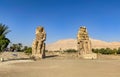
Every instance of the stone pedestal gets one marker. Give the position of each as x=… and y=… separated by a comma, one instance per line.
x=89, y=56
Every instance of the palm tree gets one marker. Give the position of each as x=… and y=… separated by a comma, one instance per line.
x=3, y=40
x=3, y=29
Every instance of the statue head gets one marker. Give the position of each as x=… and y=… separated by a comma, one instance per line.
x=83, y=29
x=39, y=29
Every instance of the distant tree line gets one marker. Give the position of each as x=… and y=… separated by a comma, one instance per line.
x=70, y=51
x=107, y=51
x=66, y=51
x=16, y=47
x=20, y=48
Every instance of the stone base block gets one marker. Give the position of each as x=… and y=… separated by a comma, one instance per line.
x=37, y=56
x=89, y=56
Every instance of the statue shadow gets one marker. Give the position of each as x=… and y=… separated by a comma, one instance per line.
x=17, y=59
x=31, y=58
x=51, y=56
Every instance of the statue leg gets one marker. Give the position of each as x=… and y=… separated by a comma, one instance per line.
x=89, y=47
x=43, y=50
x=81, y=47
x=39, y=49
x=84, y=47
x=34, y=47
x=78, y=48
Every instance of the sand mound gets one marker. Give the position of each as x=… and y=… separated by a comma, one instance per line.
x=72, y=44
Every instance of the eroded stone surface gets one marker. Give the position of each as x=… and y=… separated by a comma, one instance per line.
x=38, y=46
x=83, y=42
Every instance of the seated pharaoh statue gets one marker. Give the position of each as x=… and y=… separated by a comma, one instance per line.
x=38, y=46
x=83, y=42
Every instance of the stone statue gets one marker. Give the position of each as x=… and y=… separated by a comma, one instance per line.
x=83, y=42
x=38, y=46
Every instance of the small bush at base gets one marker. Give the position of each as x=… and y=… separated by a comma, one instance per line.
x=28, y=50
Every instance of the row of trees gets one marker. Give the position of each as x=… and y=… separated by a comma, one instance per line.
x=20, y=48
x=4, y=41
x=16, y=47
x=70, y=51
x=106, y=51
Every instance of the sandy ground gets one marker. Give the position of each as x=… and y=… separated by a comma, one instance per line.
x=59, y=67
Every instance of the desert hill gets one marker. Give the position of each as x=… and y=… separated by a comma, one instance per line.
x=71, y=44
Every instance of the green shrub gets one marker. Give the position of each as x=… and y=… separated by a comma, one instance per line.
x=70, y=51
x=57, y=51
x=46, y=50
x=95, y=50
x=28, y=50
x=118, y=51
x=106, y=51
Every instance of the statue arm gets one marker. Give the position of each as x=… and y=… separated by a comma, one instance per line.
x=44, y=36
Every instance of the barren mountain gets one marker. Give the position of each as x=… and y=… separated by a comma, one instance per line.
x=72, y=44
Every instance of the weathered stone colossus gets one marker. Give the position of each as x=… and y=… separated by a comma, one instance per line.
x=83, y=42
x=38, y=46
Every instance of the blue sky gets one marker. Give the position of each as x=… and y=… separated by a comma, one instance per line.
x=61, y=19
